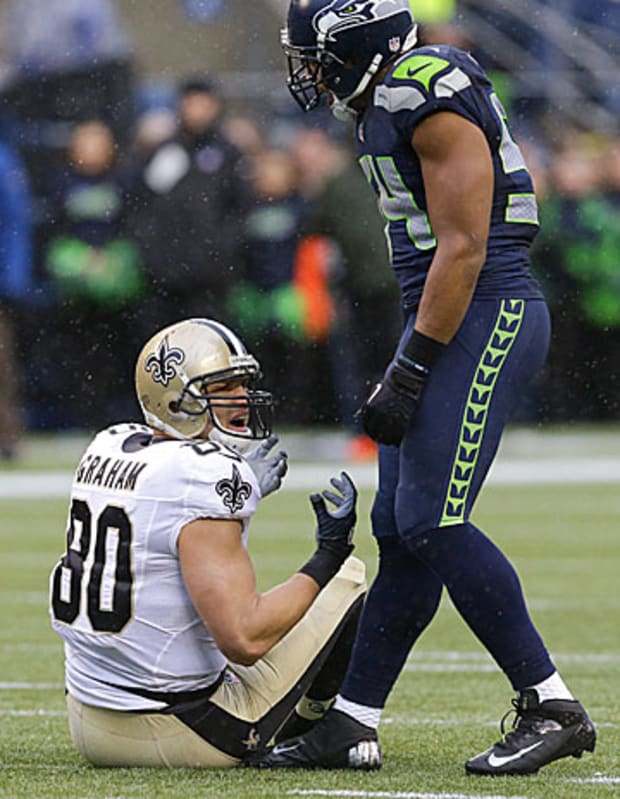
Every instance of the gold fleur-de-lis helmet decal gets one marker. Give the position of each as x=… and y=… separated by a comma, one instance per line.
x=163, y=362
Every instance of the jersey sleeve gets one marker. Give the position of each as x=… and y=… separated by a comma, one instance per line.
x=423, y=84
x=217, y=484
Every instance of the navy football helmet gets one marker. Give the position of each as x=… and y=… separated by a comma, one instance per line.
x=340, y=45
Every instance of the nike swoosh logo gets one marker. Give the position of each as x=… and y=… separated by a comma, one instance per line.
x=281, y=748
x=412, y=72
x=494, y=760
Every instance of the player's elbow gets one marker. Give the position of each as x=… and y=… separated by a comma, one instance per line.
x=466, y=245
x=465, y=251
x=471, y=263
x=242, y=651
x=242, y=657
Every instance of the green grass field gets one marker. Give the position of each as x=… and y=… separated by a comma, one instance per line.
x=446, y=706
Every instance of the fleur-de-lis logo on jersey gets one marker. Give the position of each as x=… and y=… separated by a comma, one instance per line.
x=252, y=741
x=162, y=363
x=234, y=492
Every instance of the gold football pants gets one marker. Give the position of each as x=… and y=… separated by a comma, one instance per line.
x=245, y=711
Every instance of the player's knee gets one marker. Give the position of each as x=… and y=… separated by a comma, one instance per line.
x=458, y=543
x=354, y=570
x=392, y=550
x=382, y=514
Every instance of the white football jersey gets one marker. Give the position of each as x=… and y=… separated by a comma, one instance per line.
x=117, y=596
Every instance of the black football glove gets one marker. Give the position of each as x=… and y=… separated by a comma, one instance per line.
x=334, y=532
x=336, y=525
x=386, y=414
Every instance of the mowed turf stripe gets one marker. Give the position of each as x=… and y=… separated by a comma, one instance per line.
x=17, y=713
x=537, y=603
x=420, y=660
x=13, y=713
x=397, y=794
x=540, y=604
x=30, y=686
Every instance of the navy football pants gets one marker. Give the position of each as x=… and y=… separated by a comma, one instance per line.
x=427, y=488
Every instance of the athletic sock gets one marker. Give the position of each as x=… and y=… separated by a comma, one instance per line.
x=368, y=716
x=553, y=687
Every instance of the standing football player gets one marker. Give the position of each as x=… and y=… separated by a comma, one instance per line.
x=172, y=656
x=460, y=211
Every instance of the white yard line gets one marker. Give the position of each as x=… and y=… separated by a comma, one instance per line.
x=579, y=604
x=480, y=663
x=457, y=654
x=597, y=779
x=464, y=668
x=39, y=485
x=398, y=794
x=305, y=476
x=462, y=720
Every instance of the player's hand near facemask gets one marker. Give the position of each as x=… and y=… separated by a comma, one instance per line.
x=269, y=469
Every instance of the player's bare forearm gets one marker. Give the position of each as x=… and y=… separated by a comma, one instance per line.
x=448, y=291
x=221, y=582
x=255, y=622
x=271, y=615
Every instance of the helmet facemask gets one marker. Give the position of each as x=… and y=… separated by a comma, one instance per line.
x=313, y=73
x=255, y=407
x=304, y=73
x=338, y=48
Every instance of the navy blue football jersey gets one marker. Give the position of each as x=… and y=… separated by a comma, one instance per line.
x=422, y=82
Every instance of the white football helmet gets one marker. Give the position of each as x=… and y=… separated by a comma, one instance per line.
x=175, y=368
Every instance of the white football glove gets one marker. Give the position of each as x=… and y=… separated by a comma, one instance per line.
x=269, y=470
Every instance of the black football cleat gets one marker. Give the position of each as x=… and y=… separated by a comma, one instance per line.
x=294, y=727
x=337, y=741
x=542, y=732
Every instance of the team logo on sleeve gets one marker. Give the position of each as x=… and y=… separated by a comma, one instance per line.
x=162, y=364
x=234, y=492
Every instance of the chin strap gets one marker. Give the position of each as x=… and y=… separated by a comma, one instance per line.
x=240, y=445
x=341, y=111
x=341, y=108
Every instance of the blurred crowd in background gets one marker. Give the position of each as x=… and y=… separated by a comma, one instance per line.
x=128, y=204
